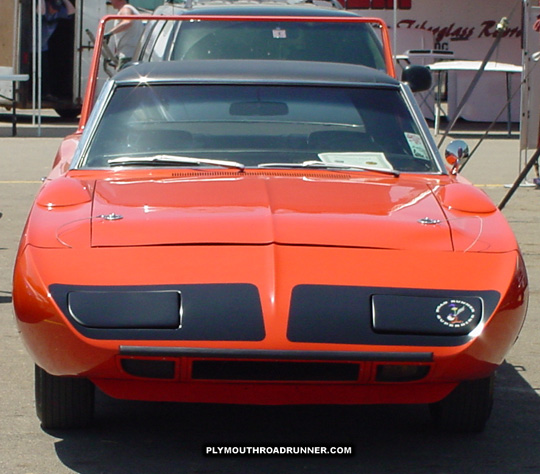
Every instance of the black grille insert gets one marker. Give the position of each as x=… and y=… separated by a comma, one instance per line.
x=154, y=369
x=275, y=371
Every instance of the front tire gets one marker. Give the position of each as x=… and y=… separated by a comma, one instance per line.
x=63, y=402
x=68, y=112
x=467, y=408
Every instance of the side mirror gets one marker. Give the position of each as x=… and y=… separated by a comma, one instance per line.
x=418, y=77
x=455, y=152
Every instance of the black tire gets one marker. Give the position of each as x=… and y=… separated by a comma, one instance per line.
x=467, y=408
x=63, y=402
x=68, y=113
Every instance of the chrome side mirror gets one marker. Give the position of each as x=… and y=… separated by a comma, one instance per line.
x=456, y=151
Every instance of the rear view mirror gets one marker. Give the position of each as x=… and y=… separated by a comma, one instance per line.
x=417, y=77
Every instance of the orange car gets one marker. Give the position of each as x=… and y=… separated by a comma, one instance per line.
x=264, y=232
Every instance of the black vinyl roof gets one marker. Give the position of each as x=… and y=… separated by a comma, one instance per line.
x=229, y=71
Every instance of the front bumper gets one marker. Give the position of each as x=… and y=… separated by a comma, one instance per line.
x=127, y=362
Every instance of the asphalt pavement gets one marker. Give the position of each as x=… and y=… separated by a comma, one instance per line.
x=136, y=437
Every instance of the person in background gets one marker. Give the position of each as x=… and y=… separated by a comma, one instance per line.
x=127, y=32
x=51, y=12
x=536, y=26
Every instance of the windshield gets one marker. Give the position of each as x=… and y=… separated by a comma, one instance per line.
x=258, y=125
x=354, y=43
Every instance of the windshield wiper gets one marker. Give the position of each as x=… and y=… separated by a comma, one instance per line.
x=322, y=164
x=166, y=160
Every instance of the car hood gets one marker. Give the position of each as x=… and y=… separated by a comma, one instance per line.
x=384, y=212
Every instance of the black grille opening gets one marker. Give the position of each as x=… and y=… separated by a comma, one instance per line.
x=275, y=371
x=153, y=369
x=401, y=372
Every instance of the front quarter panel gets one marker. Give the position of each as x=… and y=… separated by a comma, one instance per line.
x=64, y=155
x=60, y=217
x=475, y=222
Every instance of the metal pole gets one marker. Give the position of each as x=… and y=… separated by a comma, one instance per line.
x=520, y=178
x=40, y=66
x=509, y=103
x=394, y=46
x=34, y=55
